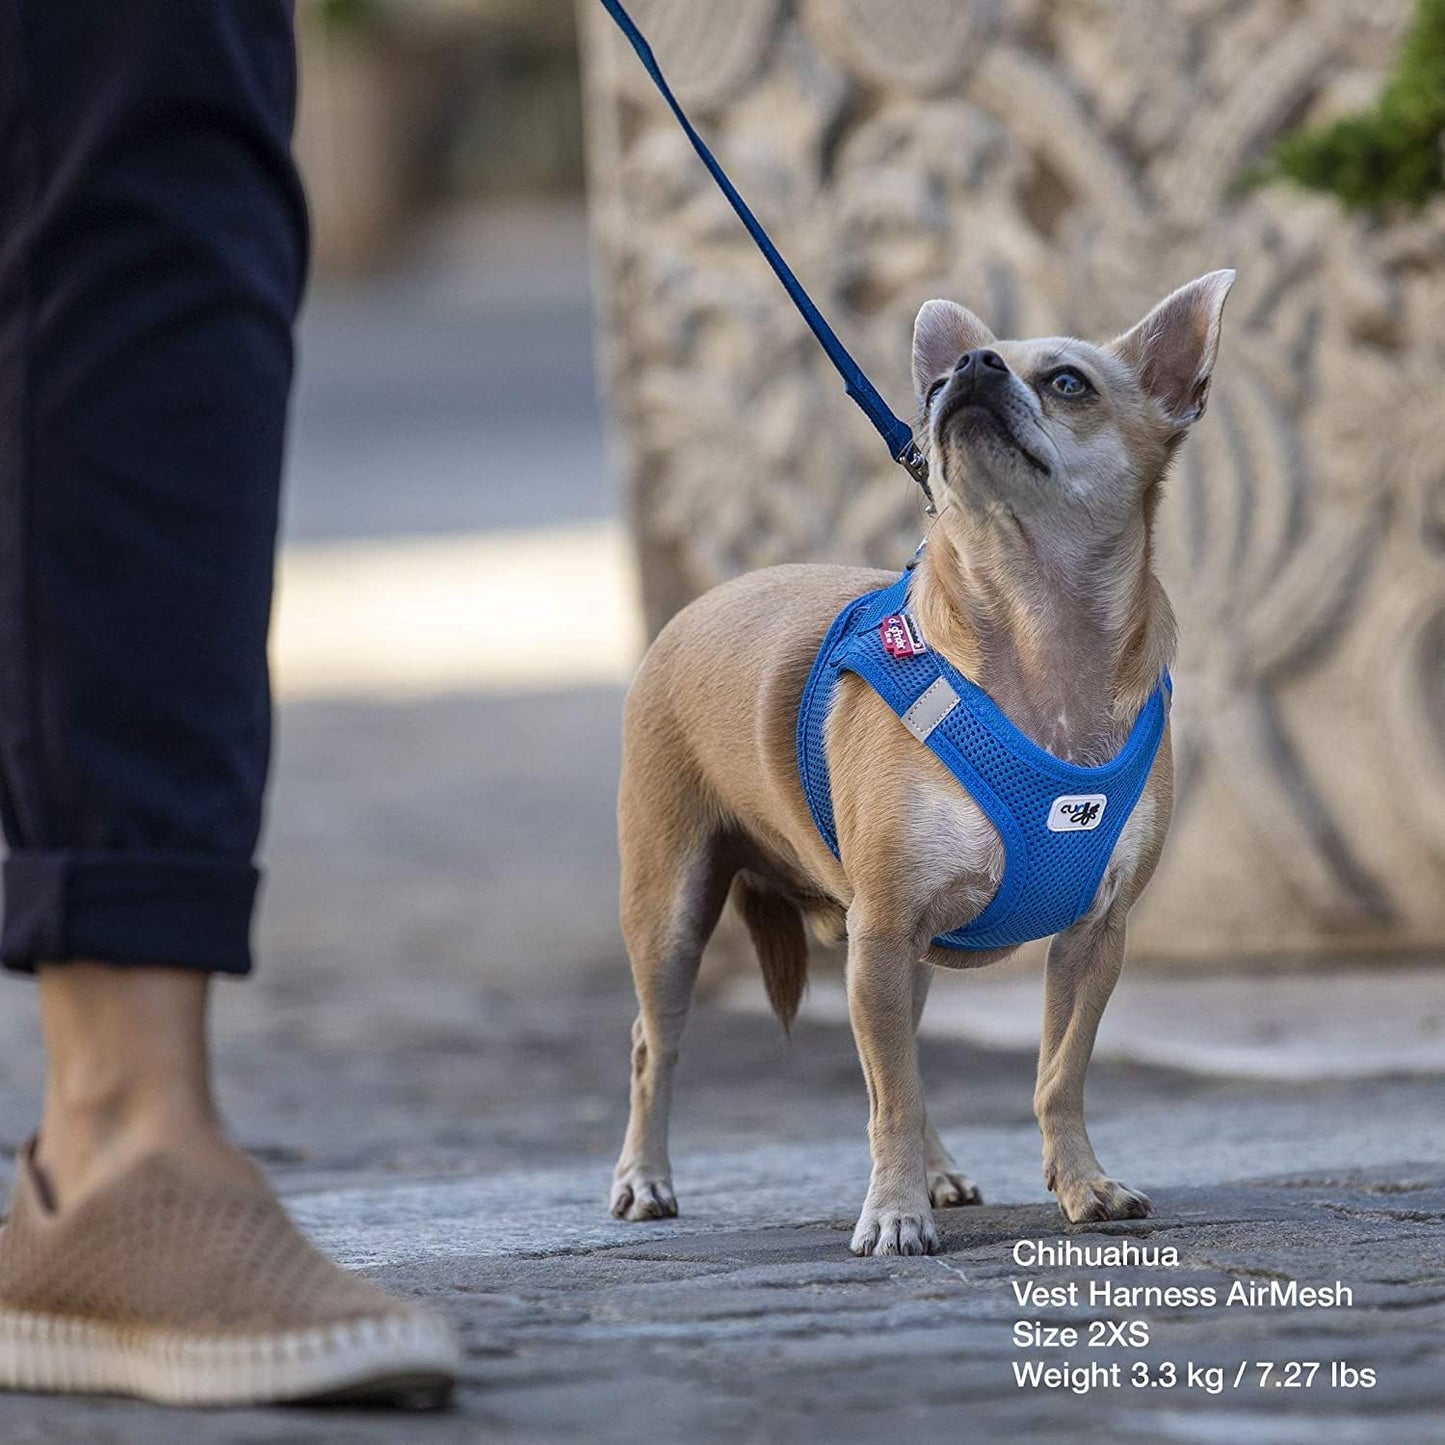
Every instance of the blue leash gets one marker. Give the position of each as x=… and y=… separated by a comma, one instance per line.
x=897, y=435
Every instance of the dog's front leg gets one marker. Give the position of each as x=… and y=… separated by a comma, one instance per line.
x=896, y=1218
x=1083, y=966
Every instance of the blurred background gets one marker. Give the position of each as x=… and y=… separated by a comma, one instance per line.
x=473, y=560
x=457, y=612
x=548, y=392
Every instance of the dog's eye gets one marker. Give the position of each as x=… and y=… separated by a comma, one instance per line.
x=931, y=394
x=1068, y=383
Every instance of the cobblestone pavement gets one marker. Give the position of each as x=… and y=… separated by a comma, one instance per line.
x=461, y=1150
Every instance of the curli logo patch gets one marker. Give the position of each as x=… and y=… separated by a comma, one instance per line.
x=901, y=637
x=1077, y=813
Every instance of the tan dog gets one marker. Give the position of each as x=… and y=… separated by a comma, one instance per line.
x=1047, y=458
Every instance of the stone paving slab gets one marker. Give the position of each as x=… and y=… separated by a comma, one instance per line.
x=783, y=1338
x=1328, y=1021
x=747, y=1319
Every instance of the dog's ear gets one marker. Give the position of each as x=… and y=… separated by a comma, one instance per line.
x=943, y=332
x=1172, y=349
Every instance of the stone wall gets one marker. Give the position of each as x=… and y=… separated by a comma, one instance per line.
x=1057, y=167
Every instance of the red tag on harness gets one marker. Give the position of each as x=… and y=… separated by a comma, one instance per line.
x=900, y=636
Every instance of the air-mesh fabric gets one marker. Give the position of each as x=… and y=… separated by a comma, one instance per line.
x=1050, y=878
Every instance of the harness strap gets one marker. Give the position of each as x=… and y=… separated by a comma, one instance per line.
x=897, y=434
x=1058, y=821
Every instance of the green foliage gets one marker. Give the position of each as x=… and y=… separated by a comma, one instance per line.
x=347, y=14
x=1392, y=155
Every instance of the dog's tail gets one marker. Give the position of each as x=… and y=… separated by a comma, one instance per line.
x=775, y=925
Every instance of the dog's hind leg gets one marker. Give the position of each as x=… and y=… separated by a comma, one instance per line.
x=675, y=880
x=1084, y=963
x=948, y=1185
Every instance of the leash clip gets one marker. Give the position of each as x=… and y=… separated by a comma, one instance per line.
x=916, y=465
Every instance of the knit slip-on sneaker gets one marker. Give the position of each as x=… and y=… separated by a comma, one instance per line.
x=171, y=1288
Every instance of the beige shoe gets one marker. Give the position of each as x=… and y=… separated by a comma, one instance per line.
x=168, y=1287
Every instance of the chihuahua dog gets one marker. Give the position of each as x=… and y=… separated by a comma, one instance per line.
x=1048, y=458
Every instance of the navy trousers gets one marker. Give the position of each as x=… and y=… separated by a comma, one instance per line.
x=152, y=255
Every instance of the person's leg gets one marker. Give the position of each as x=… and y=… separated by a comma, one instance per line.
x=154, y=259
x=127, y=1075
x=152, y=253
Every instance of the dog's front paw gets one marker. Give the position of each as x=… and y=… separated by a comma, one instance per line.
x=1085, y=1200
x=948, y=1189
x=641, y=1195
x=893, y=1231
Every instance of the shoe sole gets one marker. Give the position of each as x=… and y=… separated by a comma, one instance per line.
x=412, y=1361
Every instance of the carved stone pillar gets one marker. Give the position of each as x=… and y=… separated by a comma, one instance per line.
x=1058, y=168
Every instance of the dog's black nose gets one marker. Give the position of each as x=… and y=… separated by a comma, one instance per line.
x=979, y=362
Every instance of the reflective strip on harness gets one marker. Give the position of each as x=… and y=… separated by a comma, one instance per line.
x=938, y=700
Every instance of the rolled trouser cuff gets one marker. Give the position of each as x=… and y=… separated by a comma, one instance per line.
x=129, y=909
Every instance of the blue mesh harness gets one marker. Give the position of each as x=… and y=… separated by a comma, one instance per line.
x=1059, y=822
